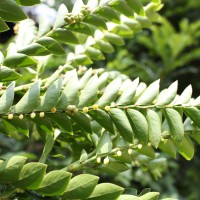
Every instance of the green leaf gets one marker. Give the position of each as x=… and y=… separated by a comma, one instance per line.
x=109, y=14
x=154, y=125
x=77, y=6
x=150, y=196
x=16, y=126
x=168, y=95
x=19, y=60
x=84, y=156
x=103, y=118
x=6, y=100
x=114, y=39
x=175, y=124
x=69, y=94
x=64, y=36
x=128, y=93
x=121, y=30
x=49, y=143
x=149, y=94
x=110, y=93
x=128, y=197
x=81, y=59
x=10, y=169
x=85, y=78
x=185, y=148
x=62, y=121
x=31, y=176
x=80, y=187
x=62, y=11
x=1, y=57
x=140, y=89
x=104, y=144
x=137, y=6
x=54, y=183
x=7, y=74
x=139, y=125
x=29, y=101
x=122, y=7
x=89, y=93
x=122, y=123
x=148, y=151
x=11, y=12
x=94, y=53
x=28, y=3
x=35, y=50
x=185, y=96
x=96, y=21
x=3, y=26
x=50, y=98
x=194, y=114
x=82, y=120
x=52, y=45
x=168, y=147
x=80, y=27
x=105, y=191
x=44, y=26
x=104, y=46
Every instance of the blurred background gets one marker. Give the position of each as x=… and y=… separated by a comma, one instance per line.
x=169, y=51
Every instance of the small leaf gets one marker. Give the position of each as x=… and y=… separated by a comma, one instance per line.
x=104, y=46
x=6, y=100
x=150, y=196
x=103, y=119
x=122, y=7
x=139, y=125
x=50, y=98
x=147, y=151
x=3, y=26
x=194, y=114
x=16, y=126
x=185, y=96
x=128, y=93
x=82, y=120
x=28, y=3
x=44, y=25
x=175, y=124
x=137, y=6
x=77, y=6
x=29, y=101
x=7, y=74
x=10, y=169
x=94, y=53
x=149, y=94
x=185, y=148
x=62, y=121
x=96, y=21
x=110, y=93
x=52, y=45
x=168, y=95
x=84, y=156
x=114, y=39
x=168, y=147
x=69, y=94
x=11, y=12
x=80, y=27
x=54, y=183
x=104, y=144
x=31, y=176
x=122, y=123
x=154, y=125
x=128, y=197
x=89, y=93
x=35, y=50
x=105, y=191
x=62, y=11
x=80, y=187
x=85, y=78
x=64, y=36
x=19, y=60
x=109, y=14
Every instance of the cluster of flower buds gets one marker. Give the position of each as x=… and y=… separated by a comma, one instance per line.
x=71, y=109
x=85, y=10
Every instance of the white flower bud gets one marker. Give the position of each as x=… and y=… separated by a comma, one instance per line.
x=106, y=160
x=33, y=115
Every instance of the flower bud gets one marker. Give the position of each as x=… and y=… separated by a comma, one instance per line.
x=41, y=114
x=130, y=151
x=106, y=160
x=33, y=115
x=85, y=109
x=139, y=146
x=95, y=107
x=21, y=116
x=107, y=108
x=98, y=159
x=53, y=110
x=10, y=116
x=119, y=153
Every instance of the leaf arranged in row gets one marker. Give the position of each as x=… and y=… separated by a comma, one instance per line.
x=33, y=176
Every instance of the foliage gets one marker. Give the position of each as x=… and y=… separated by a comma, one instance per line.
x=87, y=120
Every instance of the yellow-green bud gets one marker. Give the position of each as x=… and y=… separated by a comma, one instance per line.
x=41, y=114
x=107, y=108
x=21, y=116
x=33, y=115
x=139, y=146
x=85, y=109
x=106, y=160
x=130, y=151
x=98, y=159
x=53, y=110
x=95, y=107
x=10, y=116
x=119, y=153
x=149, y=144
